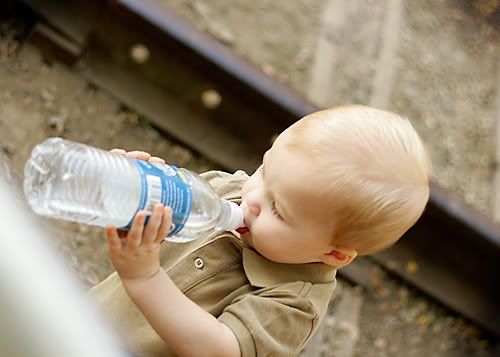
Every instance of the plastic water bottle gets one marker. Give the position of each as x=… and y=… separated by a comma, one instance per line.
x=79, y=183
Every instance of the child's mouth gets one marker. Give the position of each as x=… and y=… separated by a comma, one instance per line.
x=242, y=230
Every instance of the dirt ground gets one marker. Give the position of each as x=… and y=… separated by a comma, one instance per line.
x=445, y=79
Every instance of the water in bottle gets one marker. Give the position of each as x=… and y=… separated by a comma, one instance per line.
x=76, y=182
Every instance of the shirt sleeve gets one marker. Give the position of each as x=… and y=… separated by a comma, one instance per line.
x=274, y=322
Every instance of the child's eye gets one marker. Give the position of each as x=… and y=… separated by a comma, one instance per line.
x=275, y=211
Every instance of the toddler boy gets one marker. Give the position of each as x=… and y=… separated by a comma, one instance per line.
x=338, y=183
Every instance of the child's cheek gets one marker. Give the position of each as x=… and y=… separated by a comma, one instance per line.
x=266, y=245
x=263, y=233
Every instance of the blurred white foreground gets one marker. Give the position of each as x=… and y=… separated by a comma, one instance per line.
x=43, y=308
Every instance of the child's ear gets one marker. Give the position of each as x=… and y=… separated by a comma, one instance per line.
x=339, y=257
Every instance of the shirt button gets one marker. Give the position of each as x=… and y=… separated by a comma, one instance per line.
x=198, y=262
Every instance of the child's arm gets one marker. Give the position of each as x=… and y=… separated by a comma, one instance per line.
x=184, y=326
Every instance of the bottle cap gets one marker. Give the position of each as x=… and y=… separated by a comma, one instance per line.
x=236, y=218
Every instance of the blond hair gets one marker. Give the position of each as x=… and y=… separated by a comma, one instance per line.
x=377, y=169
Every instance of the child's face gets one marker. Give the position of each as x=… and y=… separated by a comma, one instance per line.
x=286, y=221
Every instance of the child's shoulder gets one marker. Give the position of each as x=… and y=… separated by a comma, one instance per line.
x=226, y=185
x=217, y=175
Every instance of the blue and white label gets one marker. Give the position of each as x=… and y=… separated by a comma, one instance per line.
x=164, y=184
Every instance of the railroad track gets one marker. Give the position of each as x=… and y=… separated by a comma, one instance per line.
x=227, y=110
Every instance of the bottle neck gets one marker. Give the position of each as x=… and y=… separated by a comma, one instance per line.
x=230, y=216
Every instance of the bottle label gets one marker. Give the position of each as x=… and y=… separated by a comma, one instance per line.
x=164, y=184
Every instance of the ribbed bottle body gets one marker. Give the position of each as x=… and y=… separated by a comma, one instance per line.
x=83, y=184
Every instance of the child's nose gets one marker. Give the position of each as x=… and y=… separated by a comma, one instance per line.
x=254, y=209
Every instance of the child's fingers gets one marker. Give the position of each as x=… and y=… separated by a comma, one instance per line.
x=151, y=229
x=165, y=224
x=114, y=242
x=140, y=155
x=134, y=236
x=118, y=151
x=157, y=159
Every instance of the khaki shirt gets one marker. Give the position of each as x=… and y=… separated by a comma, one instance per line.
x=272, y=308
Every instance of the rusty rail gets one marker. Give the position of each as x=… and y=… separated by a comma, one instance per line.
x=453, y=250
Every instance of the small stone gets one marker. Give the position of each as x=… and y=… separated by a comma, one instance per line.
x=348, y=328
x=57, y=123
x=329, y=322
x=89, y=274
x=201, y=9
x=214, y=26
x=302, y=57
x=221, y=32
x=8, y=150
x=47, y=96
x=84, y=229
x=128, y=117
x=425, y=319
x=380, y=343
x=268, y=69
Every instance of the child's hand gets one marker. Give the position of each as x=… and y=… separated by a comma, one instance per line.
x=140, y=155
x=136, y=255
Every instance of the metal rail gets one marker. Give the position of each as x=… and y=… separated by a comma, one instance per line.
x=454, y=251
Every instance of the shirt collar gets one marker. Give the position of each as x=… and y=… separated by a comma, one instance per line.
x=262, y=272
